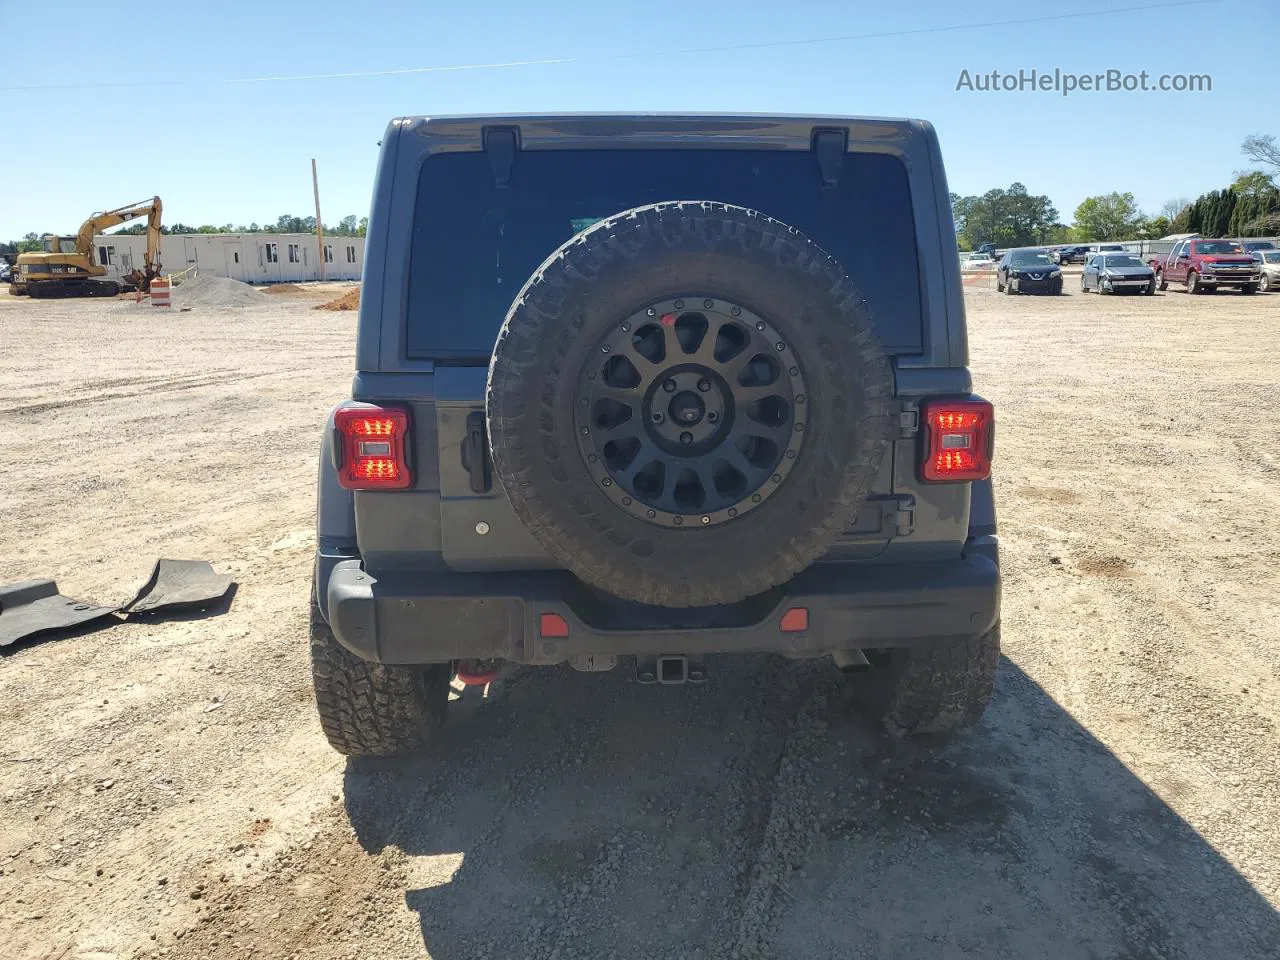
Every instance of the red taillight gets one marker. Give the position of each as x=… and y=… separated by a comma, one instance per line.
x=958, y=439
x=374, y=444
x=553, y=625
x=795, y=620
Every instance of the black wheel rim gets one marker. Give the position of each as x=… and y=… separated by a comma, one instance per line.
x=690, y=412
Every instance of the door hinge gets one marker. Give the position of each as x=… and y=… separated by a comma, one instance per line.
x=829, y=146
x=898, y=515
x=908, y=421
x=501, y=144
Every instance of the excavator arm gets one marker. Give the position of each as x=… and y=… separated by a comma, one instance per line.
x=151, y=209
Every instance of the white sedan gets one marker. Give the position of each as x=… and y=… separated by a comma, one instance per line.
x=978, y=263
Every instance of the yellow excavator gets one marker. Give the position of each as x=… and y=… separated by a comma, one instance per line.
x=68, y=267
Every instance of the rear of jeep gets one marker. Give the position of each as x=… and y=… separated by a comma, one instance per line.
x=637, y=390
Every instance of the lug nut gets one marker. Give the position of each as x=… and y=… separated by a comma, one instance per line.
x=657, y=416
x=651, y=312
x=736, y=311
x=686, y=438
x=679, y=304
x=651, y=514
x=712, y=417
x=781, y=346
x=669, y=386
x=706, y=520
x=626, y=328
x=677, y=520
x=760, y=325
x=704, y=385
x=708, y=304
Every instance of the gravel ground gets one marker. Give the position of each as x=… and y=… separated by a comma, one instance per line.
x=166, y=791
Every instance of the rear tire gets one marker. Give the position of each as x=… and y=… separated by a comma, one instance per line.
x=374, y=709
x=940, y=688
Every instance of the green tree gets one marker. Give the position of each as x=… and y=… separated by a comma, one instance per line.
x=30, y=243
x=1155, y=228
x=1007, y=218
x=363, y=228
x=1059, y=233
x=1113, y=216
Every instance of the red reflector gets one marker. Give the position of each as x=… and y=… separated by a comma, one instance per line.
x=795, y=620
x=553, y=625
x=373, y=448
x=958, y=438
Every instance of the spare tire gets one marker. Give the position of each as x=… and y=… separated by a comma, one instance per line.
x=687, y=402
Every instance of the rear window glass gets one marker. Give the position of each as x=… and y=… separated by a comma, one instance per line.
x=475, y=245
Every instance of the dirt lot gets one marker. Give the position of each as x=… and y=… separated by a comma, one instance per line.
x=166, y=790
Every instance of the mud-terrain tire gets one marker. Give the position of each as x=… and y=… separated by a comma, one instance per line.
x=940, y=688
x=583, y=294
x=373, y=709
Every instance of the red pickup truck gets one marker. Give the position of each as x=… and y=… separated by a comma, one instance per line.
x=1204, y=265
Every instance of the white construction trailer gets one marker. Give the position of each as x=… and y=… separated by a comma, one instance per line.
x=249, y=257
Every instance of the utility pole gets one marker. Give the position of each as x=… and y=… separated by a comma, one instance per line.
x=315, y=186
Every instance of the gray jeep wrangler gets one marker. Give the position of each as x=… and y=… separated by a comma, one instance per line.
x=641, y=389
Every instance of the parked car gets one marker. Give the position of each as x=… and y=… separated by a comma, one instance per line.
x=1028, y=271
x=683, y=437
x=1270, y=265
x=988, y=248
x=1255, y=246
x=1077, y=253
x=978, y=263
x=1205, y=265
x=1117, y=273
x=5, y=271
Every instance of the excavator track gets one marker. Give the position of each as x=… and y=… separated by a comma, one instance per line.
x=61, y=289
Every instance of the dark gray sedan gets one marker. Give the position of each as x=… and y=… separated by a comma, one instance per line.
x=1117, y=273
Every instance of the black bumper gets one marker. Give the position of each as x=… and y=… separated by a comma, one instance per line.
x=1024, y=285
x=421, y=617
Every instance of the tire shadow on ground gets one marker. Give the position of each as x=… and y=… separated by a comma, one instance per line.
x=585, y=816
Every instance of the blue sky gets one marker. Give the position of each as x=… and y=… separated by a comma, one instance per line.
x=219, y=151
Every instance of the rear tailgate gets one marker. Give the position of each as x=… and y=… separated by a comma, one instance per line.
x=475, y=205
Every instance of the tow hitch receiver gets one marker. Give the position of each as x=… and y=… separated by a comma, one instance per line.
x=670, y=669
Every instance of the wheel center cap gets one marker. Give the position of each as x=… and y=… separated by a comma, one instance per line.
x=686, y=408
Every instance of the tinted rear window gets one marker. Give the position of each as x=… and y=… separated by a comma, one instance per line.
x=475, y=245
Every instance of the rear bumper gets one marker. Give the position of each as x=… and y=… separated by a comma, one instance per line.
x=420, y=617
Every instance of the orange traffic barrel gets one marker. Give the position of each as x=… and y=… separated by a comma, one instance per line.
x=159, y=292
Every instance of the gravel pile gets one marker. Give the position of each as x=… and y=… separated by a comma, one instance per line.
x=217, y=292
